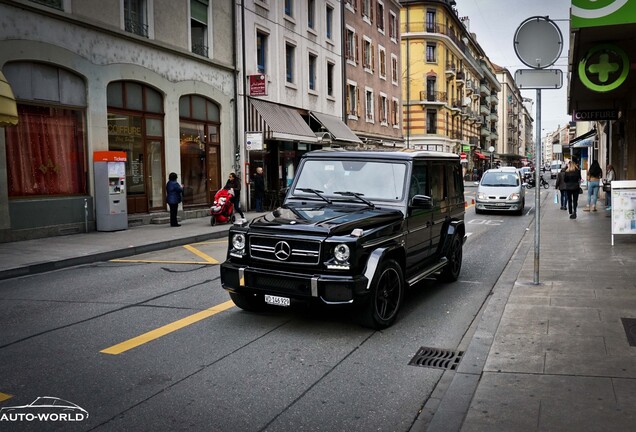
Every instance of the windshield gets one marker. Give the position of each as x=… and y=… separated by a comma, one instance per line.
x=372, y=180
x=500, y=179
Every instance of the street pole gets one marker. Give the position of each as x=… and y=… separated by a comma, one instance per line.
x=537, y=195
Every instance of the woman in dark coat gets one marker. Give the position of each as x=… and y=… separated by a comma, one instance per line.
x=234, y=183
x=572, y=180
x=173, y=198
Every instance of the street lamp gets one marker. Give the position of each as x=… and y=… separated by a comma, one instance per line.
x=491, y=149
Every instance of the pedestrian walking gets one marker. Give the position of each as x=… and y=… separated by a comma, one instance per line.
x=560, y=185
x=174, y=192
x=259, y=189
x=594, y=175
x=234, y=183
x=572, y=179
x=610, y=176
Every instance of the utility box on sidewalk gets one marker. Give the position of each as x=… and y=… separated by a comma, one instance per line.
x=111, y=211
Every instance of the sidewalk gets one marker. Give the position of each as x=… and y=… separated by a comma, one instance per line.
x=553, y=356
x=51, y=253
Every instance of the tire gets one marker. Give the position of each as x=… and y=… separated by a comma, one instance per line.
x=381, y=307
x=248, y=302
x=546, y=185
x=477, y=211
x=212, y=221
x=450, y=272
x=523, y=205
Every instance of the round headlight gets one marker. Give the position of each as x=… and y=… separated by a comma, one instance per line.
x=238, y=241
x=341, y=252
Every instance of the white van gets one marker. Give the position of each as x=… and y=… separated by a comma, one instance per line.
x=555, y=167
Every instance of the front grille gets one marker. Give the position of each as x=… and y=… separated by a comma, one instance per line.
x=285, y=250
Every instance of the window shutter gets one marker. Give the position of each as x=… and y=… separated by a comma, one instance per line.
x=357, y=56
x=372, y=57
x=371, y=8
x=348, y=99
x=358, y=101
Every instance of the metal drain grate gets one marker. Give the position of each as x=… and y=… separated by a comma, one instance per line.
x=630, y=330
x=437, y=358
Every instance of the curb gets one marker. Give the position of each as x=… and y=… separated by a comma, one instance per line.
x=43, y=267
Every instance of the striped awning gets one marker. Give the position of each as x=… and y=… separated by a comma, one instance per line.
x=8, y=107
x=278, y=122
x=336, y=127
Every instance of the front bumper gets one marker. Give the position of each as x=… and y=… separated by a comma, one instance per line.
x=498, y=205
x=328, y=289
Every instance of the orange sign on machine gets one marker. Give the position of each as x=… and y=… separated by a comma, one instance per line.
x=109, y=156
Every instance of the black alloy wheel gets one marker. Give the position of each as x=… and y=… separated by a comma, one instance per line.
x=450, y=273
x=381, y=308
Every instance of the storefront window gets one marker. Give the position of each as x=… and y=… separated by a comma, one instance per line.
x=135, y=126
x=45, y=152
x=199, y=149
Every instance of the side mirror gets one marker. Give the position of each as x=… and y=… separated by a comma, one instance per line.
x=422, y=201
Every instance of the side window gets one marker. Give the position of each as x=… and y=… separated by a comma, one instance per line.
x=454, y=177
x=418, y=184
x=438, y=183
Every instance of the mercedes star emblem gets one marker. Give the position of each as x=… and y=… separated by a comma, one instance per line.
x=282, y=250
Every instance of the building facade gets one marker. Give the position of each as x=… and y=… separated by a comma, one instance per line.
x=449, y=89
x=291, y=92
x=510, y=141
x=372, y=72
x=154, y=79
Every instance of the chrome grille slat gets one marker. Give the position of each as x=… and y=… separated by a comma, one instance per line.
x=302, y=251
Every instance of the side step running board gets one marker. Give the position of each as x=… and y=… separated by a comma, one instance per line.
x=429, y=271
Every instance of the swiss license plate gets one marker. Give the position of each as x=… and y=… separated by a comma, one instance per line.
x=500, y=204
x=275, y=300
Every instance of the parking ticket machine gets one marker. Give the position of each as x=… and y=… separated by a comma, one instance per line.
x=111, y=212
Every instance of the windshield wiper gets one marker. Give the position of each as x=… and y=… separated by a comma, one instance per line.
x=357, y=195
x=317, y=193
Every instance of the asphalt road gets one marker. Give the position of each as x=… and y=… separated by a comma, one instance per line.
x=153, y=343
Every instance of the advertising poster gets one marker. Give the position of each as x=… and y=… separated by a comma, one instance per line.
x=623, y=207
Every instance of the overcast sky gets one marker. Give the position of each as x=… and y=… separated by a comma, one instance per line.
x=495, y=23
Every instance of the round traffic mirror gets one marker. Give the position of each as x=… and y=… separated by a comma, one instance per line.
x=538, y=42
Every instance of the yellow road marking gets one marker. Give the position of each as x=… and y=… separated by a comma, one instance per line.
x=210, y=242
x=200, y=254
x=4, y=397
x=162, y=261
x=167, y=329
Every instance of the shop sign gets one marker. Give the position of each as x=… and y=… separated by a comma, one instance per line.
x=593, y=115
x=586, y=13
x=604, y=68
x=258, y=85
x=253, y=141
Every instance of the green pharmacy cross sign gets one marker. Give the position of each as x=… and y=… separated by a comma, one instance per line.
x=604, y=68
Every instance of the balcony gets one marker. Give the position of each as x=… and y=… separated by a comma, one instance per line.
x=485, y=132
x=460, y=78
x=469, y=87
x=484, y=90
x=433, y=97
x=451, y=70
x=455, y=106
x=484, y=109
x=494, y=99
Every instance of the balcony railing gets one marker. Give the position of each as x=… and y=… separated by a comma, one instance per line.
x=199, y=48
x=134, y=26
x=429, y=27
x=433, y=96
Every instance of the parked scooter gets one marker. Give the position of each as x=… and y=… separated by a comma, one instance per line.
x=530, y=181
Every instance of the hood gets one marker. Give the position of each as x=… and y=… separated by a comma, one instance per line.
x=331, y=219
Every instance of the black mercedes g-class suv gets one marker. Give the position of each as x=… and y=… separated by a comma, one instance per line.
x=356, y=227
